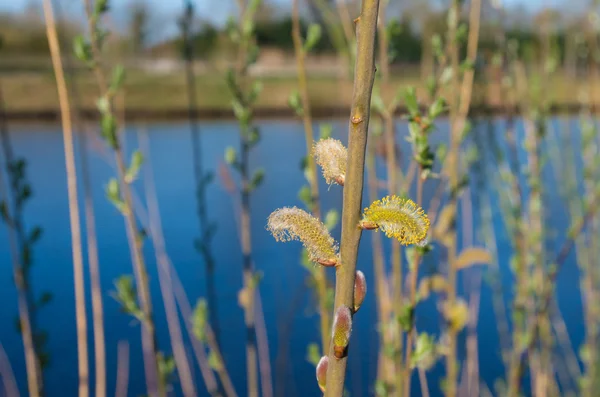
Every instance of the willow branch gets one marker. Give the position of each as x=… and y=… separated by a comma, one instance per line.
x=319, y=271
x=364, y=77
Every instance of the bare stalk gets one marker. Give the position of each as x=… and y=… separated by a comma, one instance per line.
x=319, y=272
x=122, y=369
x=246, y=12
x=183, y=366
x=7, y=375
x=90, y=225
x=203, y=244
x=154, y=382
x=385, y=368
x=34, y=378
x=392, y=182
x=366, y=25
x=82, y=348
x=414, y=274
x=460, y=103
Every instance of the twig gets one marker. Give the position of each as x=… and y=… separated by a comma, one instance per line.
x=122, y=369
x=65, y=111
x=90, y=225
x=15, y=238
x=262, y=341
x=164, y=271
x=353, y=187
x=319, y=272
x=7, y=375
x=460, y=104
x=154, y=382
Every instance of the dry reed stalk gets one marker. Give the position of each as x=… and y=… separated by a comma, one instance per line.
x=65, y=111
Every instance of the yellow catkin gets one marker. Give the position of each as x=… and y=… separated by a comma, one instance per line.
x=287, y=224
x=399, y=218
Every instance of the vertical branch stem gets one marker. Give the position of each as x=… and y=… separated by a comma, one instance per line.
x=353, y=188
x=81, y=318
x=313, y=180
x=460, y=104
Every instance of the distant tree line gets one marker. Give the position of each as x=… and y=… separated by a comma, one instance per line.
x=408, y=40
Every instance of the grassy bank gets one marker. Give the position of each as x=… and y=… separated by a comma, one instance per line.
x=30, y=92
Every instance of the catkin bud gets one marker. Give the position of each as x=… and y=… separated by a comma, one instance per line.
x=332, y=157
x=398, y=218
x=360, y=289
x=342, y=329
x=322, y=372
x=288, y=224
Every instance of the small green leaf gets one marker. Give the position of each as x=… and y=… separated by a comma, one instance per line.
x=125, y=294
x=200, y=320
x=214, y=362
x=446, y=75
x=230, y=156
x=406, y=317
x=101, y=6
x=118, y=76
x=437, y=108
x=305, y=195
x=326, y=130
x=410, y=99
x=45, y=299
x=313, y=354
x=331, y=219
x=109, y=130
x=255, y=91
x=295, y=103
x=103, y=105
x=313, y=35
x=424, y=355
x=253, y=136
x=4, y=211
x=257, y=178
x=35, y=234
x=82, y=49
x=166, y=365
x=137, y=159
x=113, y=193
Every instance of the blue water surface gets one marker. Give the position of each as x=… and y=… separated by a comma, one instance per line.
x=288, y=304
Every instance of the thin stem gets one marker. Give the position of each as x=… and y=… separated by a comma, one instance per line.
x=122, y=369
x=392, y=180
x=459, y=109
x=199, y=175
x=34, y=378
x=82, y=347
x=262, y=342
x=386, y=369
x=364, y=77
x=183, y=366
x=414, y=275
x=319, y=272
x=90, y=225
x=7, y=375
x=241, y=71
x=154, y=383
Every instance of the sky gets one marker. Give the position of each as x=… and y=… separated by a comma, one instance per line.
x=215, y=8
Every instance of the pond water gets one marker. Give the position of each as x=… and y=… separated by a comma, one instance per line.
x=290, y=317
